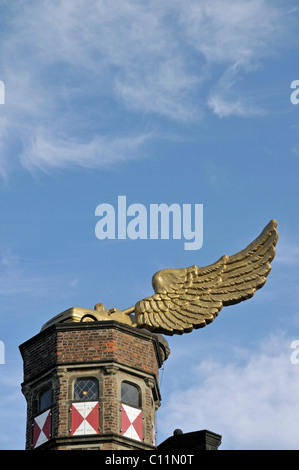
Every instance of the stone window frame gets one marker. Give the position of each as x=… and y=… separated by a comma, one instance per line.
x=74, y=375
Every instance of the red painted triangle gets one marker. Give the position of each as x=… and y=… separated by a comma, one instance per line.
x=137, y=423
x=36, y=433
x=47, y=426
x=125, y=422
x=77, y=419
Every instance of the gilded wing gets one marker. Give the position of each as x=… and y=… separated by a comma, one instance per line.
x=192, y=297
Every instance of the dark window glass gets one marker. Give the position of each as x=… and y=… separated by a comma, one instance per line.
x=45, y=400
x=130, y=394
x=86, y=389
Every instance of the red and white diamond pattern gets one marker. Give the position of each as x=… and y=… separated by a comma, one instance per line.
x=41, y=428
x=131, y=422
x=85, y=418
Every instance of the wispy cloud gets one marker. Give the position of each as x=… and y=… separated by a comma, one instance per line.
x=261, y=388
x=46, y=151
x=224, y=100
x=74, y=72
x=236, y=107
x=19, y=278
x=237, y=31
x=234, y=36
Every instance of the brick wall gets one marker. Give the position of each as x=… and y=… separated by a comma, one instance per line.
x=109, y=351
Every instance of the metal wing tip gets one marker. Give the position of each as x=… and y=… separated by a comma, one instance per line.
x=269, y=230
x=270, y=226
x=273, y=225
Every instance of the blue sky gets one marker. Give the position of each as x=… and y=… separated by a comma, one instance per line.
x=183, y=102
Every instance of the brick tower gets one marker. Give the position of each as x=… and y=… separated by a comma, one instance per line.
x=92, y=385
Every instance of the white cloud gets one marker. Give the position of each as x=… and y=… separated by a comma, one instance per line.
x=46, y=151
x=233, y=36
x=225, y=100
x=165, y=91
x=84, y=67
x=236, y=107
x=19, y=278
x=232, y=31
x=251, y=402
x=129, y=47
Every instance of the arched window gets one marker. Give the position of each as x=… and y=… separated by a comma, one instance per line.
x=130, y=394
x=45, y=400
x=86, y=389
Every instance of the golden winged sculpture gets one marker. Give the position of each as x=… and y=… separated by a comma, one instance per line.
x=190, y=298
